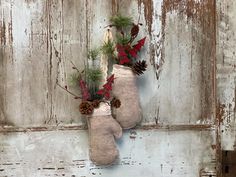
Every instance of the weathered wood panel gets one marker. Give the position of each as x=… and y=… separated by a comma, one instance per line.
x=39, y=39
x=143, y=153
x=38, y=49
x=184, y=91
x=226, y=72
x=67, y=43
x=17, y=66
x=179, y=91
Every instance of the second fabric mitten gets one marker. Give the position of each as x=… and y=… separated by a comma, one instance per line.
x=125, y=89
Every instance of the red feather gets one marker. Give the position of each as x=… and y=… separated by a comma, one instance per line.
x=133, y=53
x=140, y=44
x=107, y=95
x=119, y=47
x=111, y=78
x=142, y=41
x=127, y=47
x=124, y=60
x=107, y=87
x=84, y=90
x=100, y=92
x=122, y=53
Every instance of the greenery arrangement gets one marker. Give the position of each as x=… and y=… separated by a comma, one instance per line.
x=95, y=87
x=125, y=45
x=124, y=51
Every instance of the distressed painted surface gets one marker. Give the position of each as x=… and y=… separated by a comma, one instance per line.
x=38, y=50
x=226, y=72
x=189, y=85
x=65, y=153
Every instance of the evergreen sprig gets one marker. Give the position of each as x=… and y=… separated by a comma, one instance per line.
x=120, y=21
x=123, y=39
x=93, y=54
x=94, y=75
x=108, y=48
x=74, y=78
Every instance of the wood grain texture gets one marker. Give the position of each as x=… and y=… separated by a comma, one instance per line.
x=23, y=71
x=38, y=50
x=144, y=153
x=178, y=93
x=226, y=72
x=181, y=87
x=37, y=54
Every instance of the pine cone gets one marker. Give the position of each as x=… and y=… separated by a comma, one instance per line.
x=116, y=103
x=134, y=31
x=96, y=103
x=139, y=67
x=86, y=108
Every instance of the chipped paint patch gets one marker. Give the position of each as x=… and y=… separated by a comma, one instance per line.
x=220, y=112
x=65, y=153
x=3, y=32
x=115, y=7
x=201, y=12
x=226, y=72
x=193, y=9
x=148, y=12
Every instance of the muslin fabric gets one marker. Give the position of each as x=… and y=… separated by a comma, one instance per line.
x=129, y=113
x=103, y=130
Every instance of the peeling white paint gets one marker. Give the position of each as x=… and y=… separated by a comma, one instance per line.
x=42, y=37
x=226, y=72
x=65, y=153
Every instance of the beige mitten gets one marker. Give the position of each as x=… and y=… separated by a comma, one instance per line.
x=103, y=130
x=125, y=89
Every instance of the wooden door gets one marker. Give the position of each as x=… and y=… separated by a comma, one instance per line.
x=187, y=95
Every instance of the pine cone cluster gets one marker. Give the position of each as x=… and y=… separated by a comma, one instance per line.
x=139, y=67
x=116, y=103
x=96, y=103
x=86, y=108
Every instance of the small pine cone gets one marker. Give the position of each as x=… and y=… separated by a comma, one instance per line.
x=116, y=103
x=86, y=108
x=139, y=67
x=134, y=31
x=95, y=103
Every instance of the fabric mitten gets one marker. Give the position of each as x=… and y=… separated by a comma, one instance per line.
x=103, y=130
x=125, y=89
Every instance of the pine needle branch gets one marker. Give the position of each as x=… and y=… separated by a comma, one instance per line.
x=94, y=75
x=93, y=54
x=123, y=39
x=108, y=48
x=120, y=21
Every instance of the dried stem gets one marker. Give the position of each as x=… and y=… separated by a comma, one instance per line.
x=76, y=96
x=74, y=67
